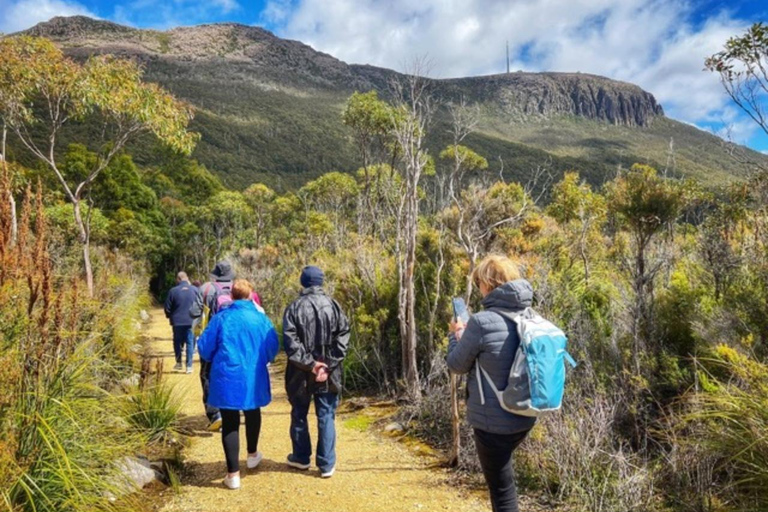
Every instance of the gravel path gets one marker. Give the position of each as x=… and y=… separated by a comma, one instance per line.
x=373, y=473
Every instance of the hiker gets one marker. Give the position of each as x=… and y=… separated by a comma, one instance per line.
x=491, y=340
x=315, y=337
x=213, y=295
x=177, y=309
x=239, y=342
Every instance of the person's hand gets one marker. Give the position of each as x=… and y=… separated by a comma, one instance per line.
x=457, y=328
x=321, y=372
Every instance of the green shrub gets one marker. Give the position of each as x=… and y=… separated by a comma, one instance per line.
x=153, y=412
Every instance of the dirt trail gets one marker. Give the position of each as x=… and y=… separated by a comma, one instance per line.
x=372, y=473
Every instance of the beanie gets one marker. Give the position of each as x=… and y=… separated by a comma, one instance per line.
x=312, y=276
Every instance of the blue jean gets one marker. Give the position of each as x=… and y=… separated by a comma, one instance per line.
x=325, y=408
x=182, y=336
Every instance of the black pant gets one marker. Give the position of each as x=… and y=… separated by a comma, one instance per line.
x=230, y=435
x=205, y=382
x=497, y=461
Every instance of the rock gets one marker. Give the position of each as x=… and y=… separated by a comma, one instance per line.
x=394, y=427
x=130, y=382
x=144, y=315
x=133, y=474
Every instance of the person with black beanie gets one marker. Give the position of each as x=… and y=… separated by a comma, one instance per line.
x=315, y=338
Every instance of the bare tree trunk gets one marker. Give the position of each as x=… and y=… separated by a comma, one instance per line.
x=85, y=240
x=11, y=200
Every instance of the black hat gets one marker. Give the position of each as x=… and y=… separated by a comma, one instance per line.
x=312, y=276
x=223, y=271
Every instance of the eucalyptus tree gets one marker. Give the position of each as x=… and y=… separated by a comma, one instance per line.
x=42, y=91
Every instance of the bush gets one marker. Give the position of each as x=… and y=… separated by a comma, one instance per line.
x=724, y=425
x=153, y=412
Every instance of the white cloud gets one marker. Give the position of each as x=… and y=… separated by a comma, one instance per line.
x=652, y=43
x=22, y=14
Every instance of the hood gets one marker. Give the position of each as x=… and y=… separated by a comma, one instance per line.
x=514, y=296
x=223, y=272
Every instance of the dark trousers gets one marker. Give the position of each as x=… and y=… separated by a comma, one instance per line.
x=182, y=337
x=495, y=452
x=230, y=435
x=205, y=382
x=325, y=408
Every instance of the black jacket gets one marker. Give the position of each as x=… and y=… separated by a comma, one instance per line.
x=180, y=300
x=314, y=329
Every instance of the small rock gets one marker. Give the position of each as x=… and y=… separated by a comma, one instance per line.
x=394, y=427
x=130, y=382
x=134, y=474
x=144, y=315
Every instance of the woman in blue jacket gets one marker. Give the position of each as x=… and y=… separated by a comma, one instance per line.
x=239, y=342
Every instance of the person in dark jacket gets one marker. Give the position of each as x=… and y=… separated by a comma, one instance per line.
x=177, y=306
x=204, y=308
x=315, y=338
x=239, y=342
x=491, y=338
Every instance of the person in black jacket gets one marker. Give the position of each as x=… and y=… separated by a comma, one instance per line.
x=180, y=300
x=315, y=338
x=204, y=308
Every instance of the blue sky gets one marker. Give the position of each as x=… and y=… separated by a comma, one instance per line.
x=657, y=44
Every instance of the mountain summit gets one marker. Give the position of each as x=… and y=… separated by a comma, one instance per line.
x=269, y=108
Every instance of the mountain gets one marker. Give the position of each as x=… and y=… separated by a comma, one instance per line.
x=269, y=109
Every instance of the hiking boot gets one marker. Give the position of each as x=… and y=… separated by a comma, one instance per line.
x=177, y=367
x=215, y=424
x=232, y=482
x=254, y=460
x=292, y=462
x=328, y=473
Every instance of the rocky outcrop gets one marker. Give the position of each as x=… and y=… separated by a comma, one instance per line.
x=241, y=54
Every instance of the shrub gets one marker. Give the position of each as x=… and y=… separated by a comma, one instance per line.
x=153, y=412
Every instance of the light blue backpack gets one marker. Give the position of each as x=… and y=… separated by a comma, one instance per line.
x=537, y=377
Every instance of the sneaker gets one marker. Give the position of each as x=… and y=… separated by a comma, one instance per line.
x=232, y=482
x=253, y=460
x=292, y=462
x=189, y=370
x=329, y=473
x=215, y=424
x=178, y=367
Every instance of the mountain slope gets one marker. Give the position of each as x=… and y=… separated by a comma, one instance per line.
x=269, y=109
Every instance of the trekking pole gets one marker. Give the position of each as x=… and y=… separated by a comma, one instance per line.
x=453, y=461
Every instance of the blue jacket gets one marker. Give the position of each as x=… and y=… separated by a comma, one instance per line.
x=180, y=299
x=239, y=342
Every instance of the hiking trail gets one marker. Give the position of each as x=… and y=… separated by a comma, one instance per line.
x=373, y=473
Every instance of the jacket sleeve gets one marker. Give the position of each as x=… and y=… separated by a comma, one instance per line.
x=169, y=304
x=297, y=354
x=340, y=339
x=462, y=353
x=271, y=343
x=208, y=342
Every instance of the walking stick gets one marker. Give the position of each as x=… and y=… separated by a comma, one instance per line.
x=455, y=425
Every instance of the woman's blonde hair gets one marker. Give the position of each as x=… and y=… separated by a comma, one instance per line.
x=495, y=270
x=241, y=289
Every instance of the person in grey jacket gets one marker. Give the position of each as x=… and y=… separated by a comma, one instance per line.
x=491, y=338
